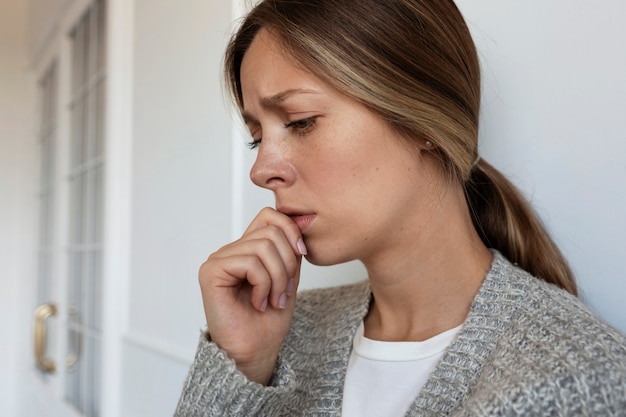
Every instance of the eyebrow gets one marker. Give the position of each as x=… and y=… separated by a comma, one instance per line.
x=275, y=100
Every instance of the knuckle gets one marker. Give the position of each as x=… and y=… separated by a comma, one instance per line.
x=206, y=270
x=254, y=262
x=274, y=231
x=266, y=244
x=265, y=214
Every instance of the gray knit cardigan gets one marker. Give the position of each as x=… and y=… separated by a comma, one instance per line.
x=526, y=348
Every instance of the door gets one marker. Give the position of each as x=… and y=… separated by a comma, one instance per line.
x=66, y=300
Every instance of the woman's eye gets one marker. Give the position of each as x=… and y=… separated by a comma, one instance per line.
x=303, y=125
x=253, y=144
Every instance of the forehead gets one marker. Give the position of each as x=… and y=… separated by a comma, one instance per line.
x=268, y=70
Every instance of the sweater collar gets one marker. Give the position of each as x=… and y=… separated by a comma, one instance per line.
x=452, y=380
x=489, y=318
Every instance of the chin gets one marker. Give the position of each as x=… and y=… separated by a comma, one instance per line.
x=326, y=257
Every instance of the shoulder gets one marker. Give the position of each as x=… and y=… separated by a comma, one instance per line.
x=567, y=328
x=549, y=323
x=545, y=315
x=555, y=353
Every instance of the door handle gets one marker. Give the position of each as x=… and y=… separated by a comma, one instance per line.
x=76, y=339
x=42, y=313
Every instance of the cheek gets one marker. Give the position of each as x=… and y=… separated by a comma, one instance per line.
x=353, y=157
x=342, y=173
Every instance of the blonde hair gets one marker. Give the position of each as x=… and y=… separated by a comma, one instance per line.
x=415, y=64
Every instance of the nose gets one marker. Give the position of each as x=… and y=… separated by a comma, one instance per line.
x=272, y=169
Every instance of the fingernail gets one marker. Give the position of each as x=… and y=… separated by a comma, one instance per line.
x=282, y=301
x=301, y=246
x=290, y=285
x=264, y=305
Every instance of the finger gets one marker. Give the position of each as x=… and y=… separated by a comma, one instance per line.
x=278, y=260
x=276, y=266
x=232, y=272
x=269, y=216
x=275, y=256
x=263, y=237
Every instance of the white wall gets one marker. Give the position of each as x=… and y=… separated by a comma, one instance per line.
x=15, y=221
x=181, y=190
x=554, y=120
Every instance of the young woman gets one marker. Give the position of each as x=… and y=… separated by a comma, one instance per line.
x=364, y=114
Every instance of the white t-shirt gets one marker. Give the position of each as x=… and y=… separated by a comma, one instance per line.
x=383, y=378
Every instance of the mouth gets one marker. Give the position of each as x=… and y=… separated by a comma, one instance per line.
x=302, y=220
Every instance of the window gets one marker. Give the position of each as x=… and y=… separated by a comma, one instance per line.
x=86, y=185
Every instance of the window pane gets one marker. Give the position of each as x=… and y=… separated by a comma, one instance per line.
x=87, y=202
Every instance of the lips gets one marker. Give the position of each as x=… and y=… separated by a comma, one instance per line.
x=303, y=221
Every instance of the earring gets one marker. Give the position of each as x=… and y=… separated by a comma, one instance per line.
x=428, y=144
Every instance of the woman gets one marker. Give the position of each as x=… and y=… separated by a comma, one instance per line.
x=365, y=119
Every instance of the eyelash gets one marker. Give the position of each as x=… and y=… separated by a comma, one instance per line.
x=303, y=126
x=253, y=144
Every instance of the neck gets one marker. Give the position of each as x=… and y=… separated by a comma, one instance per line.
x=426, y=285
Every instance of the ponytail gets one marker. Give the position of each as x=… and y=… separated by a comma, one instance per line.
x=505, y=221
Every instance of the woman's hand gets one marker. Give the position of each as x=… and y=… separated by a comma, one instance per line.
x=249, y=292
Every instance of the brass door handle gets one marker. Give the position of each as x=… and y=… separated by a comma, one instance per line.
x=41, y=317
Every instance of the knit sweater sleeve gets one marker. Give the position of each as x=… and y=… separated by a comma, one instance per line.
x=215, y=387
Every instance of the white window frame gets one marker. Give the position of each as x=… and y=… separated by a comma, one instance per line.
x=55, y=45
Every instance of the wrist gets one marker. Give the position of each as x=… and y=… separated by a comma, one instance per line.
x=259, y=370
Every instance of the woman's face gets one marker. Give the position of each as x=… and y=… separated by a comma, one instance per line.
x=355, y=188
